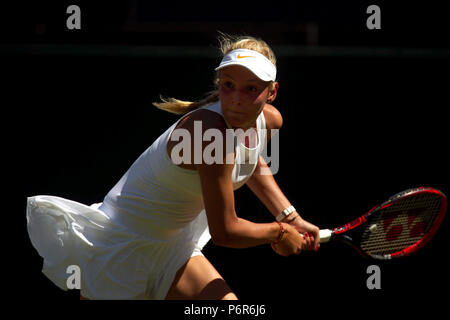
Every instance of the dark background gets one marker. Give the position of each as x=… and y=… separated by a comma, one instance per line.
x=364, y=117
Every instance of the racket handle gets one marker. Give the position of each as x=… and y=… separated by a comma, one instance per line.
x=325, y=235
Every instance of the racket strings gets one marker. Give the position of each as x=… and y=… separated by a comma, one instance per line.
x=400, y=225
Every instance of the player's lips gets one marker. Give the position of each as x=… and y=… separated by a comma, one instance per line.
x=236, y=114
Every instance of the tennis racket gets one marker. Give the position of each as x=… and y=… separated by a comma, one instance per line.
x=396, y=228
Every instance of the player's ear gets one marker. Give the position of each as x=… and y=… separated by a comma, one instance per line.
x=273, y=89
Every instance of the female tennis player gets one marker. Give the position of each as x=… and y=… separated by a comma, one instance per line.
x=144, y=240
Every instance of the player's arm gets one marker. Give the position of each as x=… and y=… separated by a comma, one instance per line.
x=261, y=183
x=267, y=189
x=264, y=186
x=226, y=228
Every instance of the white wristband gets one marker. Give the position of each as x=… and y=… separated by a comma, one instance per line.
x=285, y=213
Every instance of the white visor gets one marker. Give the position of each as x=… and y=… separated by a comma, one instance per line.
x=253, y=61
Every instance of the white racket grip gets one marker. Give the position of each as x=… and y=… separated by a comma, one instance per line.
x=325, y=235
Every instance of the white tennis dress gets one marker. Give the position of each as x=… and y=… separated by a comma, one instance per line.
x=149, y=224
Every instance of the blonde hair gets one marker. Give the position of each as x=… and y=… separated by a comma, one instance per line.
x=227, y=43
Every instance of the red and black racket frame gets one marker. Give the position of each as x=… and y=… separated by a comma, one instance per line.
x=344, y=234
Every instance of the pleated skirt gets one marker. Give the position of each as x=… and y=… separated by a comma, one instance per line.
x=114, y=262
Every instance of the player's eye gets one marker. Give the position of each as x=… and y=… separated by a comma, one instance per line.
x=252, y=89
x=228, y=84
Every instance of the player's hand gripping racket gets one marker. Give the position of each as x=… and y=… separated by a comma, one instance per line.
x=397, y=227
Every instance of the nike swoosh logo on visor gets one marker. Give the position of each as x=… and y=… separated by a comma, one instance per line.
x=240, y=57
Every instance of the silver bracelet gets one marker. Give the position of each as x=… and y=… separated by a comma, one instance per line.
x=285, y=213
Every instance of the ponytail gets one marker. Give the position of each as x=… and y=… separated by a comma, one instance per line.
x=177, y=106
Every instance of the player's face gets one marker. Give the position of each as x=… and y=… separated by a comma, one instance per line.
x=243, y=96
